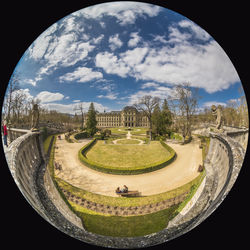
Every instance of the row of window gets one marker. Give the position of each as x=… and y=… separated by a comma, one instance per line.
x=109, y=124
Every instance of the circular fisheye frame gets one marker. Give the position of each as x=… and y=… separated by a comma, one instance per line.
x=113, y=128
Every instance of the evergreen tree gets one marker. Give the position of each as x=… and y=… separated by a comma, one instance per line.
x=166, y=114
x=161, y=119
x=157, y=122
x=91, y=122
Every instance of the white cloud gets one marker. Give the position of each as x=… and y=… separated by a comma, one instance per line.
x=176, y=36
x=209, y=104
x=110, y=96
x=46, y=96
x=202, y=65
x=111, y=64
x=67, y=97
x=149, y=85
x=81, y=74
x=115, y=42
x=98, y=39
x=160, y=39
x=40, y=45
x=195, y=29
x=125, y=12
x=161, y=92
x=103, y=24
x=25, y=92
x=234, y=101
x=70, y=108
x=66, y=49
x=135, y=39
x=70, y=24
x=30, y=81
x=76, y=100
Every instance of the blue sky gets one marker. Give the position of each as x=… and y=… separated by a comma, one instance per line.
x=114, y=53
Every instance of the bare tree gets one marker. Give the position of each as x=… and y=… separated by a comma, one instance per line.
x=146, y=105
x=80, y=108
x=12, y=87
x=185, y=99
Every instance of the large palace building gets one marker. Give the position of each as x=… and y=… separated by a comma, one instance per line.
x=128, y=117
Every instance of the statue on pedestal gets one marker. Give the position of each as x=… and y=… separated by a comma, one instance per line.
x=216, y=111
x=35, y=118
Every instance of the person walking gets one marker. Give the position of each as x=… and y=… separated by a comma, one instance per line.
x=5, y=134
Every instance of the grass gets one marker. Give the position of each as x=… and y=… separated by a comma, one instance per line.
x=111, y=138
x=124, y=130
x=119, y=131
x=126, y=201
x=129, y=226
x=120, y=226
x=205, y=142
x=128, y=141
x=46, y=143
x=127, y=155
x=139, y=131
x=124, y=149
x=176, y=136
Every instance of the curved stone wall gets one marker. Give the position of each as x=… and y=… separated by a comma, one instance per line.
x=27, y=164
x=24, y=156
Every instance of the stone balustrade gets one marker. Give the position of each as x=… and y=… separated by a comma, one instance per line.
x=24, y=157
x=14, y=133
x=240, y=135
x=27, y=164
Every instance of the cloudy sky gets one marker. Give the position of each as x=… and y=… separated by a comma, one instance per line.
x=114, y=53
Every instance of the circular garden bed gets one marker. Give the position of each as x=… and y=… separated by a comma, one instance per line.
x=126, y=159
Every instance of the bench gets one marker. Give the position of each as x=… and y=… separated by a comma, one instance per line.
x=129, y=194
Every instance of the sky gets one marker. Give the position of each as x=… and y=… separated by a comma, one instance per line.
x=114, y=53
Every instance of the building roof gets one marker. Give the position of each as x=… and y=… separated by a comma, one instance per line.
x=128, y=108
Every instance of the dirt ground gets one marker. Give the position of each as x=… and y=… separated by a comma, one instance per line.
x=178, y=173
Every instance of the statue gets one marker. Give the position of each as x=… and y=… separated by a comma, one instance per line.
x=216, y=111
x=35, y=118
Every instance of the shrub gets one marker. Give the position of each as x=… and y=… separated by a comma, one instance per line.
x=81, y=135
x=99, y=136
x=44, y=133
x=107, y=132
x=122, y=170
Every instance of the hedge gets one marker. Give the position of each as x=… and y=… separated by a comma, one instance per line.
x=81, y=135
x=124, y=171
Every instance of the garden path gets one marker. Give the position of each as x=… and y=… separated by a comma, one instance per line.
x=178, y=173
x=128, y=137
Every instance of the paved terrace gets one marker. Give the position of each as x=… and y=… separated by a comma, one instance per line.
x=181, y=171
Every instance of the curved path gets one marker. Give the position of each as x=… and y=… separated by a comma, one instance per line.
x=178, y=173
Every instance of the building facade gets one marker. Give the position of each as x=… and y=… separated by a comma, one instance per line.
x=128, y=117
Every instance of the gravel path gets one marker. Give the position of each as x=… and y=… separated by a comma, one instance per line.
x=178, y=173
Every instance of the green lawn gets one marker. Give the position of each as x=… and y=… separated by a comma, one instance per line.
x=120, y=226
x=128, y=141
x=124, y=130
x=119, y=131
x=128, y=226
x=46, y=143
x=138, y=131
x=127, y=155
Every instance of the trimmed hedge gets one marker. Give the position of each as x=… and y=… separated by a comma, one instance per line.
x=81, y=135
x=122, y=170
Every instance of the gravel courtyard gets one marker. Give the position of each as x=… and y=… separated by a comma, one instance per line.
x=178, y=173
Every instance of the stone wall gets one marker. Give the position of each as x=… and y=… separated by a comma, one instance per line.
x=27, y=164
x=24, y=156
x=55, y=197
x=240, y=135
x=14, y=133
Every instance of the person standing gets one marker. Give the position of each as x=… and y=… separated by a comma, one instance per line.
x=5, y=134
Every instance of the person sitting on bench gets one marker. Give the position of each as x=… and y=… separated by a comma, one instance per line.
x=118, y=190
x=125, y=189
